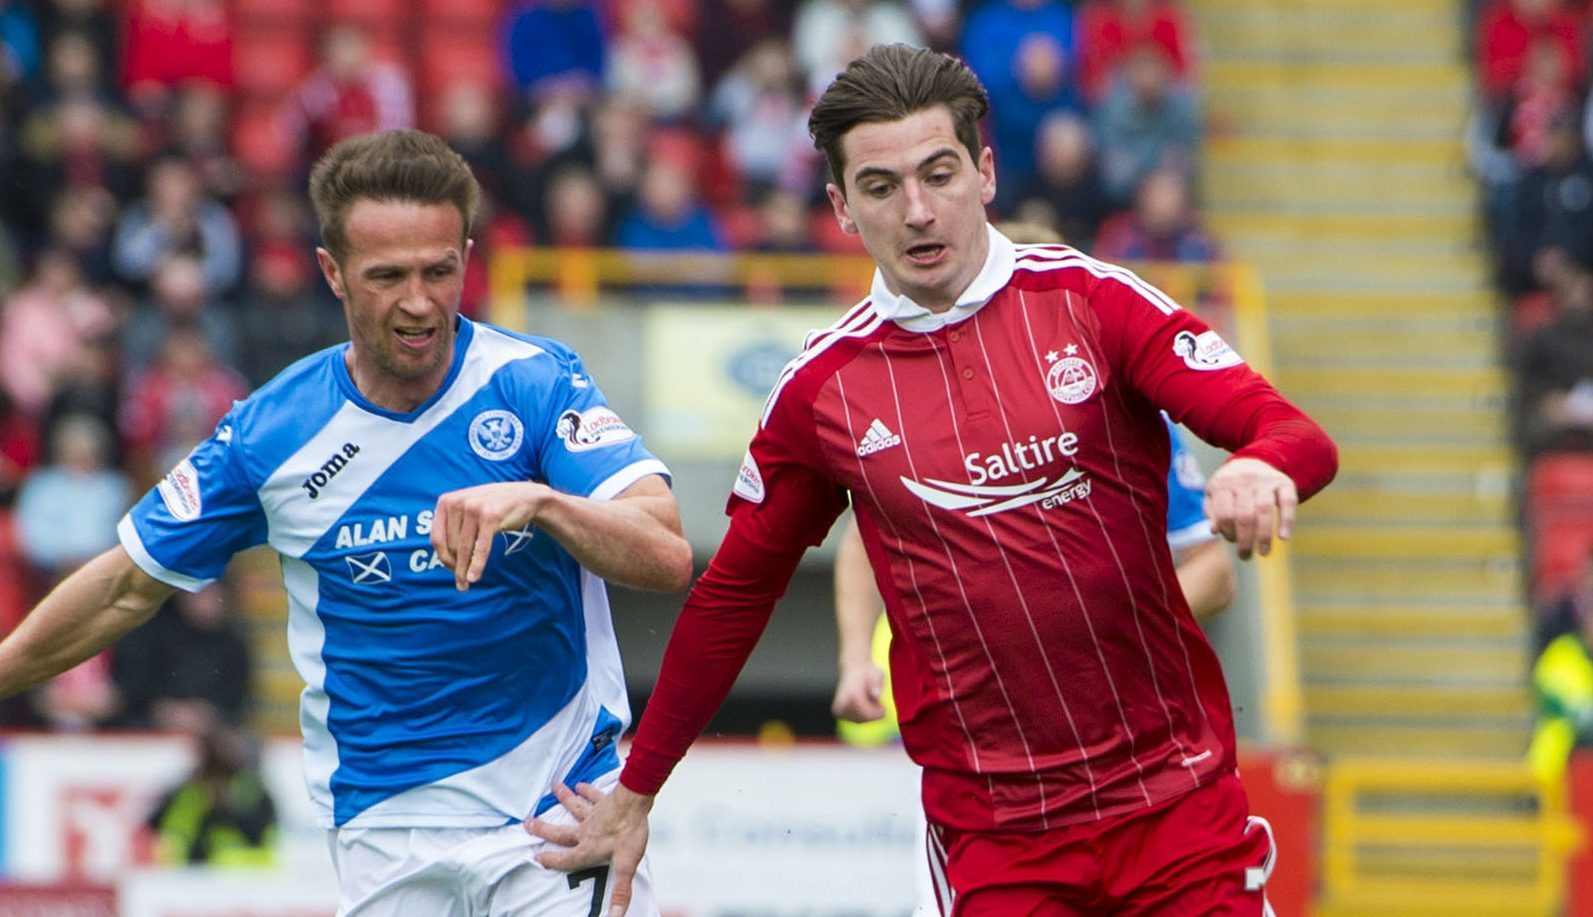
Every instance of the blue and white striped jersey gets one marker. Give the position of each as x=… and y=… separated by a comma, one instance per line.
x=424, y=706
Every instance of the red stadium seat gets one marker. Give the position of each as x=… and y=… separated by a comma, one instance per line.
x=388, y=13
x=249, y=13
x=1559, y=519
x=271, y=60
x=829, y=237
x=481, y=11
x=451, y=55
x=261, y=145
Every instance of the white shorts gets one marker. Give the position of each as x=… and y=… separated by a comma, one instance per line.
x=469, y=872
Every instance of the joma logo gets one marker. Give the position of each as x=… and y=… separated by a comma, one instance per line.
x=312, y=485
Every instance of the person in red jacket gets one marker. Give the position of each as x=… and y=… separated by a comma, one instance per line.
x=991, y=412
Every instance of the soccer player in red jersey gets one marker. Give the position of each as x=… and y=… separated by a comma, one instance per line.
x=991, y=412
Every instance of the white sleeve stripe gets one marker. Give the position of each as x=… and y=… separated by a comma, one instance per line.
x=1190, y=535
x=616, y=483
x=861, y=324
x=1051, y=261
x=134, y=546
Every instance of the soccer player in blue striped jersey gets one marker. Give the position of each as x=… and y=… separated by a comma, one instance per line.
x=447, y=499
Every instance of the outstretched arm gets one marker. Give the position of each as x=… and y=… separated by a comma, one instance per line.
x=634, y=539
x=857, y=607
x=90, y=610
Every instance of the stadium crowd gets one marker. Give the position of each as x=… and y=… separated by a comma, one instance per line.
x=157, y=250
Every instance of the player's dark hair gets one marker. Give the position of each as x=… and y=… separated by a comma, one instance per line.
x=889, y=83
x=389, y=166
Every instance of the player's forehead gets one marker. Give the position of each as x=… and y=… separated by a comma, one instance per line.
x=900, y=146
x=400, y=230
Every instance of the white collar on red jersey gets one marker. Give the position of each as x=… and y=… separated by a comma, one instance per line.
x=1000, y=261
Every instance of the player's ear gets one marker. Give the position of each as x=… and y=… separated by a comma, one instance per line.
x=330, y=270
x=843, y=214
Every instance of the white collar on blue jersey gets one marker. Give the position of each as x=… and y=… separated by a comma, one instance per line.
x=1000, y=261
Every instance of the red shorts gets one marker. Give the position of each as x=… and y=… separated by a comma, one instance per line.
x=1198, y=855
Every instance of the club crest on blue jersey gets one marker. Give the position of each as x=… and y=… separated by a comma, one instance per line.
x=366, y=569
x=496, y=435
x=1071, y=379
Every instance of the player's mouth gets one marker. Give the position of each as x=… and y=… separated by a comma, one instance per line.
x=926, y=254
x=416, y=338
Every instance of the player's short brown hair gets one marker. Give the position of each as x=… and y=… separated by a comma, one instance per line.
x=889, y=83
x=389, y=166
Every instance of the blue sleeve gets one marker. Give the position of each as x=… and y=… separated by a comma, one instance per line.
x=1186, y=496
x=185, y=530
x=584, y=447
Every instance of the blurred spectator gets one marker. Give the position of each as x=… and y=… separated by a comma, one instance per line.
x=828, y=34
x=93, y=20
x=283, y=316
x=187, y=669
x=19, y=452
x=576, y=214
x=470, y=125
x=727, y=28
x=199, y=133
x=176, y=403
x=1544, y=94
x=785, y=225
x=43, y=328
x=177, y=217
x=77, y=143
x=10, y=261
x=351, y=93
x=1506, y=33
x=19, y=44
x=496, y=229
x=1556, y=371
x=73, y=70
x=654, y=65
x=668, y=214
x=80, y=224
x=1563, y=681
x=1163, y=226
x=555, y=47
x=759, y=107
x=171, y=43
x=1550, y=208
x=1567, y=611
x=177, y=297
x=1023, y=51
x=92, y=387
x=67, y=509
x=1110, y=29
x=1066, y=190
x=1147, y=120
x=221, y=815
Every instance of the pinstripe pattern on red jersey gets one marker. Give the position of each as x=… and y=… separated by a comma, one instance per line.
x=1067, y=568
x=1071, y=300
x=912, y=570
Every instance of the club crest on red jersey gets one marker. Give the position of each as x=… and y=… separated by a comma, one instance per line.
x=1071, y=379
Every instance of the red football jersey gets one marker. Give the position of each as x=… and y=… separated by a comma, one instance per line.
x=1008, y=468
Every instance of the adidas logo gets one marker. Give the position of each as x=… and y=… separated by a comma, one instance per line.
x=877, y=439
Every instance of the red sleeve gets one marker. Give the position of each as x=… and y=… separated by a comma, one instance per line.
x=1179, y=364
x=783, y=503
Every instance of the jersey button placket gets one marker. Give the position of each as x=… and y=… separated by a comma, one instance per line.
x=963, y=345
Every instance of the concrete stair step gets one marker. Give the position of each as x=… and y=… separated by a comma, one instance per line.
x=1479, y=303
x=1385, y=621
x=1414, y=544
x=1226, y=74
x=1489, y=740
x=1339, y=229
x=1330, y=193
x=1459, y=347
x=1262, y=100
x=1348, y=506
x=1396, y=382
x=1442, y=701
x=1336, y=581
x=1300, y=263
x=1206, y=8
